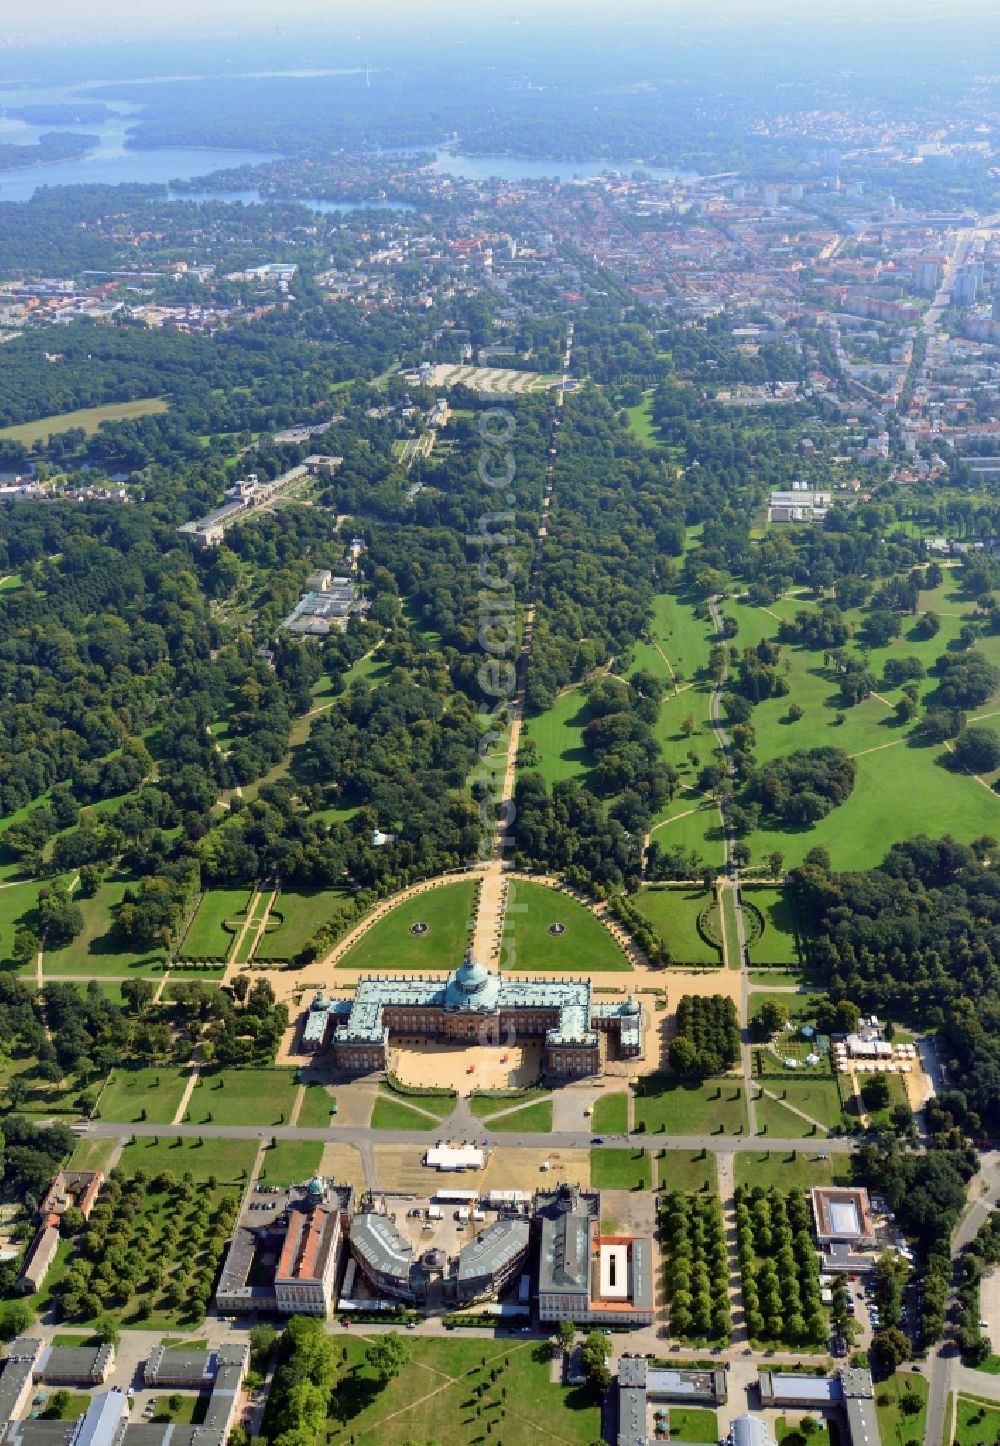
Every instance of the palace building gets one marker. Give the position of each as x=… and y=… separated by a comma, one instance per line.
x=475, y=1005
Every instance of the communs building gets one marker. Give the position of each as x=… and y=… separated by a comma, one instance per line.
x=587, y=1277
x=433, y=1279
x=561, y=1011
x=285, y=1250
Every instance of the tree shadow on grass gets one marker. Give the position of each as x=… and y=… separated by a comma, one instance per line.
x=353, y=1395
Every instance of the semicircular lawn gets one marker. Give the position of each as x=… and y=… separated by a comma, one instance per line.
x=582, y=944
x=391, y=943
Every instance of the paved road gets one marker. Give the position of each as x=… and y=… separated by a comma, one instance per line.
x=945, y=1370
x=362, y=1135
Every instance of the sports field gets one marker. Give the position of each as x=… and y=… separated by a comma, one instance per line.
x=394, y=941
x=89, y=418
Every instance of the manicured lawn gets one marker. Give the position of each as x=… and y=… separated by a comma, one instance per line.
x=440, y=1105
x=776, y=944
x=243, y=1097
x=897, y=1428
x=817, y=1096
x=389, y=944
x=208, y=938
x=558, y=737
x=226, y=1159
x=584, y=945
x=317, y=1103
x=767, y=977
x=484, y=1105
x=673, y=913
x=611, y=1114
x=89, y=418
x=620, y=1169
x=787, y=1170
x=535, y=1119
x=291, y=1162
x=686, y=1170
x=774, y=1119
x=978, y=1422
x=675, y=1107
x=413, y=1406
x=688, y=1423
x=190, y=1412
x=155, y=1089
x=96, y=951
x=392, y=1113
x=732, y=951
x=74, y=1405
x=295, y=918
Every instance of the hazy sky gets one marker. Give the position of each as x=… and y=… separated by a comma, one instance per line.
x=83, y=21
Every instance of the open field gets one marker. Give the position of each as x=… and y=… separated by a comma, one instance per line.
x=900, y=785
x=294, y=919
x=290, y=1162
x=612, y=1169
x=96, y=950
x=677, y=1107
x=151, y=1093
x=208, y=938
x=389, y=944
x=800, y=1168
x=92, y=1155
x=243, y=1097
x=558, y=737
x=89, y=418
x=673, y=913
x=583, y=945
x=18, y=905
x=611, y=1114
x=226, y=1159
x=430, y=1400
x=681, y=1170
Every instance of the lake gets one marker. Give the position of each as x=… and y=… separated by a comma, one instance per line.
x=112, y=162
